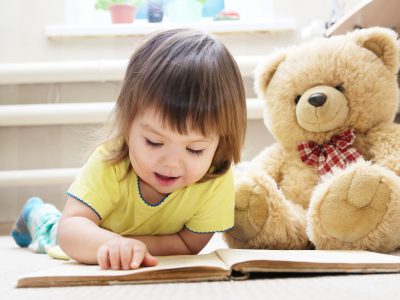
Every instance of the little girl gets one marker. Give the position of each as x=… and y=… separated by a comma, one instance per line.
x=162, y=183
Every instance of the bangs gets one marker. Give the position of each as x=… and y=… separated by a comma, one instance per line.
x=180, y=103
x=184, y=89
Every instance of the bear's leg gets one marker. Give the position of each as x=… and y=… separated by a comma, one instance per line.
x=264, y=219
x=358, y=208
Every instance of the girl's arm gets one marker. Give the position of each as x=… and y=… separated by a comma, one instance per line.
x=81, y=238
x=79, y=234
x=183, y=242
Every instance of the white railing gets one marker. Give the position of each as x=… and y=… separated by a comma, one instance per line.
x=39, y=177
x=54, y=114
x=77, y=113
x=85, y=71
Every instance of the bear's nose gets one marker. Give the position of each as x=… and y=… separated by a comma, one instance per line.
x=317, y=99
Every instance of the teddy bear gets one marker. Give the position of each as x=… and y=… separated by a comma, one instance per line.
x=332, y=178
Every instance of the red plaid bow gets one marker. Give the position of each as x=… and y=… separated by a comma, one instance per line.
x=336, y=152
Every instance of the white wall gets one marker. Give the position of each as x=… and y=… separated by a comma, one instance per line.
x=22, y=25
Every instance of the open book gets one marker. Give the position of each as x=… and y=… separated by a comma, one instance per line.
x=222, y=264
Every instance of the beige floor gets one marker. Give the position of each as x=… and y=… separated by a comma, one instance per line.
x=15, y=262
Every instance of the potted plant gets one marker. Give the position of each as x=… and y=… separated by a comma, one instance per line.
x=122, y=11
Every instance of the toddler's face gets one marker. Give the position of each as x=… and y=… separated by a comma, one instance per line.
x=164, y=159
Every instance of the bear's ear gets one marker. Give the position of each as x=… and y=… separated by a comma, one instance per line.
x=382, y=42
x=265, y=71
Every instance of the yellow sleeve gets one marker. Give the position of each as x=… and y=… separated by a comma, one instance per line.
x=97, y=184
x=217, y=211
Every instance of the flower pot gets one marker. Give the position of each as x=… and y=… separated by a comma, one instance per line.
x=122, y=13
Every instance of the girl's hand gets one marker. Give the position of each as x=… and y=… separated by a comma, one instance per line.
x=124, y=253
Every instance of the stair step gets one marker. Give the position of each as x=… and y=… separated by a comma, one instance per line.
x=38, y=177
x=78, y=113
x=86, y=71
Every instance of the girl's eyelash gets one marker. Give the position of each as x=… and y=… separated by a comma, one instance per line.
x=152, y=144
x=156, y=145
x=195, y=152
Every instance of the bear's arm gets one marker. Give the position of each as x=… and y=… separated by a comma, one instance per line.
x=271, y=160
x=384, y=147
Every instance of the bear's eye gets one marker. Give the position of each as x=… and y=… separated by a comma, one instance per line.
x=297, y=99
x=340, y=87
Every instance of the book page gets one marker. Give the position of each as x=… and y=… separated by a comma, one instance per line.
x=308, y=260
x=167, y=267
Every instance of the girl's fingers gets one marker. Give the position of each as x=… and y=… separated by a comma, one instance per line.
x=139, y=251
x=126, y=255
x=102, y=258
x=149, y=260
x=113, y=253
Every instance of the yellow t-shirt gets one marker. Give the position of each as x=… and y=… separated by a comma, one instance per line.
x=200, y=207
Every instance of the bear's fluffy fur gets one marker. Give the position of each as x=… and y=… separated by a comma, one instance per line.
x=283, y=203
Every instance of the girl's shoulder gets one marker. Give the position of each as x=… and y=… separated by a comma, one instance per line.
x=106, y=150
x=102, y=158
x=225, y=181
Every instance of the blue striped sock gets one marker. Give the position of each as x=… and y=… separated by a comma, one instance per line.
x=20, y=231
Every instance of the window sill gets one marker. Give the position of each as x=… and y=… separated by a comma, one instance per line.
x=142, y=27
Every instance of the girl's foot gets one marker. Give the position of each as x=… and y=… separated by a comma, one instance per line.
x=20, y=232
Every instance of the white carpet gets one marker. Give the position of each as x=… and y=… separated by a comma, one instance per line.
x=15, y=261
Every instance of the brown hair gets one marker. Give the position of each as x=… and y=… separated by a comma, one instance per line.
x=189, y=77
